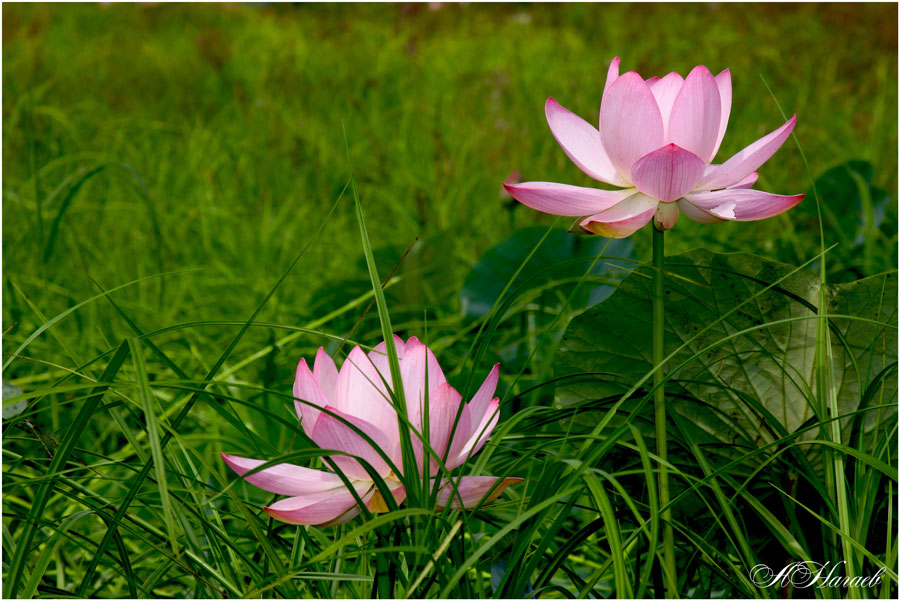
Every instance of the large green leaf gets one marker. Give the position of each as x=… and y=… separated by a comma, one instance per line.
x=855, y=214
x=852, y=207
x=562, y=255
x=749, y=360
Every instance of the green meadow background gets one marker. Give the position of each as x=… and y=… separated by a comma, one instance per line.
x=233, y=119
x=209, y=142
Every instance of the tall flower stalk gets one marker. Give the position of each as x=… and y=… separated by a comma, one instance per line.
x=659, y=406
x=655, y=141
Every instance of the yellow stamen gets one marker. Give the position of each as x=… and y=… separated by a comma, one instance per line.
x=376, y=503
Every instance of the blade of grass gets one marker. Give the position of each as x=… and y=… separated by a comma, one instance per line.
x=826, y=382
x=845, y=535
x=623, y=584
x=46, y=555
x=74, y=308
x=23, y=545
x=159, y=463
x=409, y=462
x=441, y=549
x=139, y=480
x=64, y=206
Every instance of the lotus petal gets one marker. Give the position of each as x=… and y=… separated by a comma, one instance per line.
x=748, y=160
x=563, y=199
x=667, y=173
x=360, y=391
x=480, y=434
x=378, y=356
x=482, y=399
x=695, y=213
x=723, y=81
x=331, y=433
x=472, y=491
x=306, y=387
x=612, y=74
x=665, y=91
x=581, y=142
x=321, y=508
x=419, y=364
x=325, y=373
x=737, y=204
x=283, y=478
x=624, y=219
x=630, y=122
x=696, y=114
x=444, y=405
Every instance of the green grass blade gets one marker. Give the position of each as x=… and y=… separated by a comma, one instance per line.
x=139, y=480
x=159, y=464
x=47, y=554
x=23, y=545
x=72, y=309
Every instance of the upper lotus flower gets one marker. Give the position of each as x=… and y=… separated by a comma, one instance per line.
x=657, y=139
x=357, y=394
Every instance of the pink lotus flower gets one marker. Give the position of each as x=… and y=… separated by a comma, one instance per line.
x=657, y=139
x=357, y=394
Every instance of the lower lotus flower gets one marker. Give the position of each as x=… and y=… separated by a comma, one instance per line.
x=656, y=140
x=329, y=400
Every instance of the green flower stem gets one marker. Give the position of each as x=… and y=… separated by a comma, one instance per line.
x=659, y=404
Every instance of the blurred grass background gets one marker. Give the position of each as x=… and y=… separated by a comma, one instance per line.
x=212, y=137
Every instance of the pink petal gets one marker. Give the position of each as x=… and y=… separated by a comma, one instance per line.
x=473, y=490
x=630, y=122
x=738, y=204
x=581, y=143
x=418, y=362
x=399, y=494
x=443, y=406
x=360, y=391
x=325, y=373
x=373, y=502
x=329, y=507
x=747, y=182
x=612, y=74
x=344, y=517
x=379, y=358
x=665, y=91
x=563, y=199
x=331, y=433
x=623, y=219
x=480, y=401
x=666, y=216
x=695, y=213
x=697, y=114
x=748, y=160
x=284, y=478
x=307, y=388
x=723, y=81
x=480, y=434
x=667, y=173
